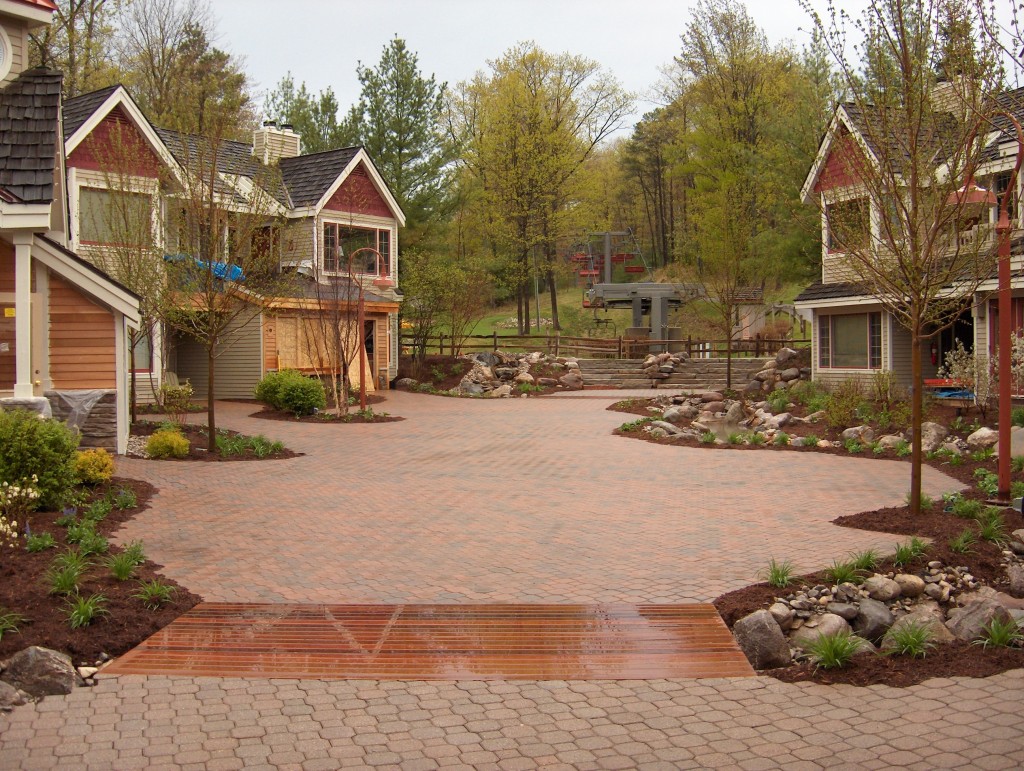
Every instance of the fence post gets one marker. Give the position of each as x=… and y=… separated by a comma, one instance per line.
x=558, y=341
x=494, y=338
x=620, y=347
x=689, y=346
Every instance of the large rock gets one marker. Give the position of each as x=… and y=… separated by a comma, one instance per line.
x=1016, y=576
x=793, y=373
x=925, y=617
x=786, y=355
x=828, y=624
x=1016, y=441
x=735, y=413
x=873, y=620
x=890, y=442
x=502, y=390
x=679, y=413
x=572, y=380
x=910, y=585
x=882, y=588
x=982, y=438
x=778, y=421
x=41, y=672
x=406, y=382
x=845, y=610
x=859, y=433
x=10, y=697
x=783, y=615
x=932, y=436
x=524, y=377
x=762, y=641
x=968, y=622
x=668, y=428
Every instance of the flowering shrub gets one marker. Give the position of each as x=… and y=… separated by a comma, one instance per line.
x=93, y=466
x=177, y=401
x=16, y=501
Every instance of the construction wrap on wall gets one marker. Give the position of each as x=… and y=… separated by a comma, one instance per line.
x=79, y=405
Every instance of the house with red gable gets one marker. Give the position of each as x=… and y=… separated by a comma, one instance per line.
x=64, y=323
x=854, y=337
x=324, y=207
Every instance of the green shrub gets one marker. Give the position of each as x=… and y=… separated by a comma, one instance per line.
x=98, y=510
x=134, y=549
x=967, y=508
x=1017, y=416
x=778, y=401
x=782, y=439
x=842, y=409
x=268, y=390
x=63, y=580
x=125, y=498
x=167, y=444
x=40, y=542
x=46, y=448
x=302, y=396
x=176, y=401
x=708, y=437
x=93, y=467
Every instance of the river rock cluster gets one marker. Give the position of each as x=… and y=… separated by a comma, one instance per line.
x=947, y=600
x=499, y=374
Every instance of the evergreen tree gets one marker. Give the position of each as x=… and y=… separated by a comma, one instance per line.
x=314, y=118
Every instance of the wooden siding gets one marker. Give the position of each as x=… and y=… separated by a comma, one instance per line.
x=238, y=367
x=82, y=346
x=836, y=268
x=841, y=167
x=17, y=31
x=297, y=240
x=359, y=195
x=116, y=145
x=6, y=267
x=900, y=348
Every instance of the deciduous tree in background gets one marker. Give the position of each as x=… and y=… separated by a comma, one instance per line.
x=79, y=43
x=921, y=250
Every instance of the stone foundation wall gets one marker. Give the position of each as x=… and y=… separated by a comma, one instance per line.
x=100, y=429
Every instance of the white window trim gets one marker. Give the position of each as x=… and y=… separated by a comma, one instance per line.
x=8, y=61
x=95, y=180
x=367, y=223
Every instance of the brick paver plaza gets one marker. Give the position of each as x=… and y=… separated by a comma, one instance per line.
x=507, y=501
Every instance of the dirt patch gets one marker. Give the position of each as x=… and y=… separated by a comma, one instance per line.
x=198, y=439
x=25, y=589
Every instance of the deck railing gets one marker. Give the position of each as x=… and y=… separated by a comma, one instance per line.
x=599, y=347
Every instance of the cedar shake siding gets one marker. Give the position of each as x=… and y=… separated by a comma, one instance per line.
x=81, y=340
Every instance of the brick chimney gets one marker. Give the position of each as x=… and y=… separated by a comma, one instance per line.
x=271, y=143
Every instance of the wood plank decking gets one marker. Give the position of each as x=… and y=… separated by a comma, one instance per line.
x=441, y=642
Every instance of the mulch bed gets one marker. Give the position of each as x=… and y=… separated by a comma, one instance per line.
x=957, y=659
x=24, y=589
x=327, y=415
x=197, y=438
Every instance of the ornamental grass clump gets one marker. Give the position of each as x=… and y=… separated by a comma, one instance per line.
x=865, y=560
x=1001, y=633
x=912, y=638
x=778, y=574
x=843, y=573
x=834, y=651
x=9, y=622
x=82, y=611
x=154, y=594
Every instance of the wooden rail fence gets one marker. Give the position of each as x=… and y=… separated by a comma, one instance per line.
x=598, y=347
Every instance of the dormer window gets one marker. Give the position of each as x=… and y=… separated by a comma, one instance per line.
x=342, y=240
x=849, y=225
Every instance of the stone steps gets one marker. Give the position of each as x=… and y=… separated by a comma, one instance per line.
x=698, y=374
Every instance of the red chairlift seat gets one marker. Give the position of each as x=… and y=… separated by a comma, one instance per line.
x=588, y=272
x=635, y=269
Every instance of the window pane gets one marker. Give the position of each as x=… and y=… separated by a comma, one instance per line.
x=875, y=339
x=384, y=247
x=850, y=341
x=353, y=239
x=143, y=354
x=848, y=225
x=108, y=217
x=824, y=342
x=330, y=247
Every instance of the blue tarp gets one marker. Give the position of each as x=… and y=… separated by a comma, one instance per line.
x=221, y=270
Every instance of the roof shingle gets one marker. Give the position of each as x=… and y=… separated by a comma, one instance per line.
x=29, y=106
x=308, y=177
x=77, y=109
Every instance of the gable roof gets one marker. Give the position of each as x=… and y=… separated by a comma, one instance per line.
x=77, y=109
x=1013, y=103
x=309, y=177
x=29, y=107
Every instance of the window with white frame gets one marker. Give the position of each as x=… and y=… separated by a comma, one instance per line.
x=850, y=341
x=340, y=241
x=114, y=217
x=848, y=225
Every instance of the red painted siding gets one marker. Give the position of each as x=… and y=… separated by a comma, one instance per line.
x=116, y=145
x=841, y=167
x=358, y=194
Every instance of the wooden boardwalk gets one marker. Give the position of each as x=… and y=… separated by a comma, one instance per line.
x=441, y=642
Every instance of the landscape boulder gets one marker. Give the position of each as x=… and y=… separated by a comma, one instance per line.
x=983, y=438
x=863, y=434
x=910, y=585
x=932, y=436
x=786, y=355
x=828, y=624
x=41, y=672
x=873, y=620
x=793, y=373
x=761, y=639
x=10, y=697
x=881, y=588
x=968, y=622
x=572, y=380
x=783, y=615
x=926, y=618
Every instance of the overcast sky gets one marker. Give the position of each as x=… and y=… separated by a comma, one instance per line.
x=321, y=41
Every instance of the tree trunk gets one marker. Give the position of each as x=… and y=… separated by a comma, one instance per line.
x=916, y=411
x=728, y=354
x=554, y=300
x=211, y=416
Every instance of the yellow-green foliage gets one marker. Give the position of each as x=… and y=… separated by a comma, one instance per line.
x=167, y=444
x=93, y=467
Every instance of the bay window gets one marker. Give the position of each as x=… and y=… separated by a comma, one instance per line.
x=850, y=341
x=342, y=240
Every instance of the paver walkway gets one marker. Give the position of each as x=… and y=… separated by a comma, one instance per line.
x=520, y=500
x=499, y=501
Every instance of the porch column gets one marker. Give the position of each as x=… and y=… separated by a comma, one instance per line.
x=23, y=315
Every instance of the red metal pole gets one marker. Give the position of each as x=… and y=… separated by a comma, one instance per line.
x=362, y=352
x=1005, y=344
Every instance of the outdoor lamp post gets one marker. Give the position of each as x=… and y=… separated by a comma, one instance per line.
x=382, y=282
